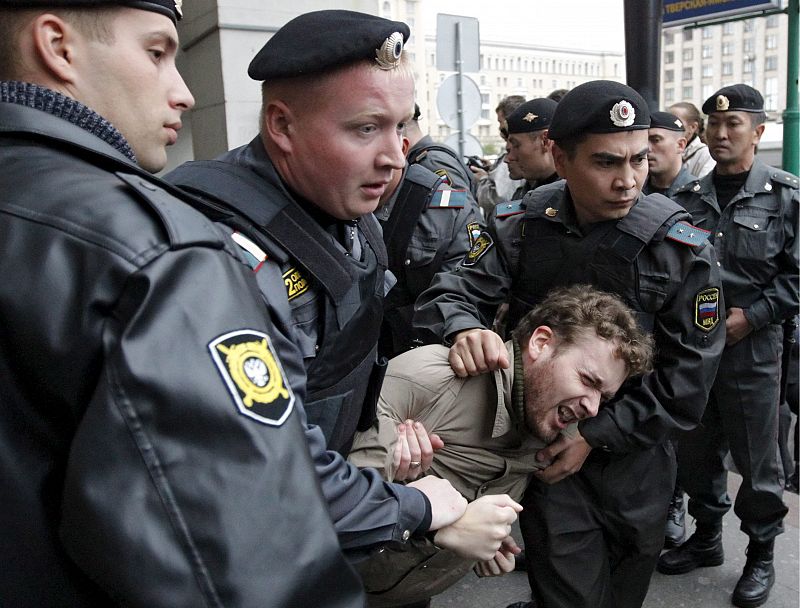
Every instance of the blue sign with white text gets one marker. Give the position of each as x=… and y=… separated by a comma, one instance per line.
x=677, y=12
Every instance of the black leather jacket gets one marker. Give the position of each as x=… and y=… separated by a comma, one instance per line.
x=133, y=471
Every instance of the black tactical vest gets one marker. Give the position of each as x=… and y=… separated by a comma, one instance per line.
x=605, y=257
x=345, y=375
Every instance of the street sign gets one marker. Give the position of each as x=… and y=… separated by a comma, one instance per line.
x=472, y=147
x=464, y=30
x=679, y=12
x=447, y=101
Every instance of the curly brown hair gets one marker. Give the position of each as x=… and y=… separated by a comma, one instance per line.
x=572, y=311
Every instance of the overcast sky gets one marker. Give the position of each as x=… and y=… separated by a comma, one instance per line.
x=595, y=25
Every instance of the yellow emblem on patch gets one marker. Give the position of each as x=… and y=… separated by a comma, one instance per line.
x=706, y=309
x=480, y=246
x=296, y=283
x=254, y=376
x=443, y=173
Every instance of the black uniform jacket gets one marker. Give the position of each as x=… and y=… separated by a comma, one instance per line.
x=140, y=464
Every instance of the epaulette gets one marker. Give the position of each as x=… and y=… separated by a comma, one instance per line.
x=448, y=198
x=511, y=208
x=784, y=178
x=684, y=232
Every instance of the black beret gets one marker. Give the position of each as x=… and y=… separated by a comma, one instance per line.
x=320, y=40
x=599, y=106
x=168, y=8
x=665, y=120
x=533, y=115
x=735, y=98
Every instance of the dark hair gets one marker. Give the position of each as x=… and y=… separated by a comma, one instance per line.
x=558, y=94
x=757, y=118
x=508, y=104
x=572, y=311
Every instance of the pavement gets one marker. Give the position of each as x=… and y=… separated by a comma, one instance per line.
x=703, y=588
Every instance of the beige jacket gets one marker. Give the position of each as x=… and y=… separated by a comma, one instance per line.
x=487, y=451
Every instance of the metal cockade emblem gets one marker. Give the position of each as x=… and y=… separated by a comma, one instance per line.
x=723, y=103
x=622, y=114
x=530, y=117
x=388, y=56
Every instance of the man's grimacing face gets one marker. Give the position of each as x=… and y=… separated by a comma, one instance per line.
x=564, y=384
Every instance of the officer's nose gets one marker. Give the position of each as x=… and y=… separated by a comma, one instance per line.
x=626, y=180
x=392, y=154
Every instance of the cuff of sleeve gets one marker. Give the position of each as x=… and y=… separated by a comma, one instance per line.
x=757, y=315
x=415, y=513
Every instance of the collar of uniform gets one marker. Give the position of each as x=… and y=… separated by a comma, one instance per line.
x=506, y=418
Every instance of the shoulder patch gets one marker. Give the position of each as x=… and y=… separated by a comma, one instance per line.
x=448, y=198
x=512, y=208
x=254, y=376
x=684, y=232
x=254, y=255
x=296, y=284
x=706, y=309
x=480, y=246
x=443, y=174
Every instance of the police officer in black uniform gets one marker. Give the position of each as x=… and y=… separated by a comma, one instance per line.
x=153, y=450
x=309, y=216
x=751, y=210
x=528, y=148
x=597, y=532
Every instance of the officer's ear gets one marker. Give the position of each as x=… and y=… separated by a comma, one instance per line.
x=681, y=142
x=758, y=132
x=279, y=120
x=547, y=143
x=55, y=44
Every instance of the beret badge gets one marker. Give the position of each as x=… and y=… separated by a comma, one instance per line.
x=622, y=114
x=722, y=103
x=179, y=7
x=388, y=56
x=530, y=117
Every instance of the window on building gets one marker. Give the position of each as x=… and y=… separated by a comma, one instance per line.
x=772, y=41
x=669, y=57
x=749, y=25
x=747, y=67
x=687, y=35
x=669, y=95
x=669, y=75
x=687, y=73
x=727, y=29
x=688, y=54
x=708, y=51
x=387, y=9
x=772, y=21
x=771, y=94
x=688, y=92
x=669, y=37
x=708, y=91
x=708, y=71
x=727, y=48
x=485, y=114
x=708, y=32
x=727, y=68
x=749, y=45
x=771, y=62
